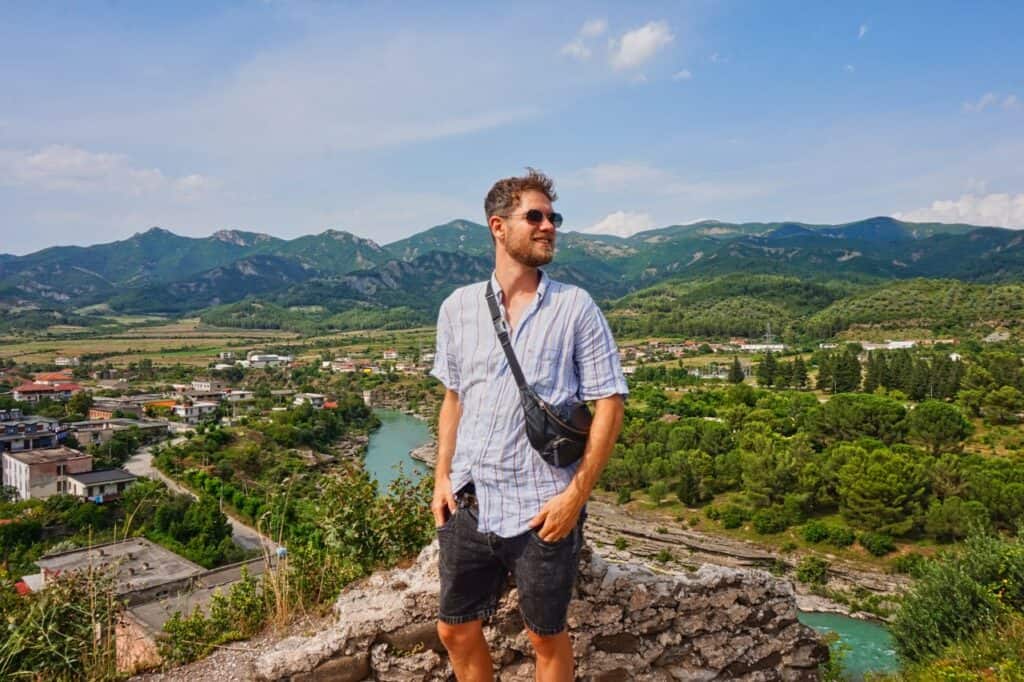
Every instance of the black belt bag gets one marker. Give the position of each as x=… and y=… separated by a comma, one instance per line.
x=558, y=433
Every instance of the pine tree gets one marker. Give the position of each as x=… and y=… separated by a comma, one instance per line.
x=736, y=371
x=875, y=374
x=825, y=369
x=846, y=375
x=784, y=375
x=799, y=379
x=766, y=370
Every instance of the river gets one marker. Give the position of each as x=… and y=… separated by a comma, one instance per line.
x=870, y=646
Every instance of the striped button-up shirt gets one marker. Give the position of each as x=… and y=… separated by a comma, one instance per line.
x=567, y=353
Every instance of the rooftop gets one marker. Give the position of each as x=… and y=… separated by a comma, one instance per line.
x=57, y=454
x=103, y=476
x=139, y=563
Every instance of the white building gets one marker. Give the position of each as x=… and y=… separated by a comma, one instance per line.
x=99, y=486
x=390, y=354
x=763, y=347
x=193, y=413
x=261, y=360
x=61, y=361
x=314, y=399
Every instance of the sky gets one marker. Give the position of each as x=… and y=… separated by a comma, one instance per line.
x=386, y=118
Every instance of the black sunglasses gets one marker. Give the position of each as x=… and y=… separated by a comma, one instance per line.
x=536, y=217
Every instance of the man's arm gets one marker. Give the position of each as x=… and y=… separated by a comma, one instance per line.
x=558, y=516
x=447, y=428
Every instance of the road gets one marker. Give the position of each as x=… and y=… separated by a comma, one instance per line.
x=246, y=537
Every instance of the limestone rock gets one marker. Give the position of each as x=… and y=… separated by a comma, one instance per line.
x=626, y=623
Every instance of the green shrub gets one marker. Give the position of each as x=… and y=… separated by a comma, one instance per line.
x=624, y=495
x=770, y=520
x=812, y=570
x=840, y=536
x=959, y=594
x=663, y=556
x=734, y=516
x=879, y=544
x=621, y=543
x=910, y=564
x=815, y=532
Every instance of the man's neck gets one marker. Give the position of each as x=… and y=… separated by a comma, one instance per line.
x=515, y=279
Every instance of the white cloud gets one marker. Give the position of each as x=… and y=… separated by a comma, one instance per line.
x=862, y=31
x=622, y=224
x=593, y=28
x=636, y=47
x=850, y=68
x=716, y=58
x=65, y=168
x=1011, y=102
x=577, y=50
x=996, y=210
x=984, y=102
x=682, y=75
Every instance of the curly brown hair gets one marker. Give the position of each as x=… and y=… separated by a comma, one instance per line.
x=505, y=194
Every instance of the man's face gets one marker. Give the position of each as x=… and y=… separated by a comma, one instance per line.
x=532, y=244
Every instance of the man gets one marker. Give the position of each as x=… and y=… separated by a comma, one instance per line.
x=499, y=507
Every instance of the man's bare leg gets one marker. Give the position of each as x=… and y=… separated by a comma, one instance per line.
x=467, y=650
x=554, y=656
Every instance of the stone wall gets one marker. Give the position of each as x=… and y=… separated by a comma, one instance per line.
x=627, y=623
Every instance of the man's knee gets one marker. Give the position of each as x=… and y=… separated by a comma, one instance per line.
x=460, y=637
x=549, y=646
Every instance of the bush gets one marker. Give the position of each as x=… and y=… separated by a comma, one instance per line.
x=840, y=536
x=879, y=544
x=624, y=496
x=911, y=564
x=812, y=570
x=815, y=532
x=958, y=595
x=770, y=520
x=734, y=516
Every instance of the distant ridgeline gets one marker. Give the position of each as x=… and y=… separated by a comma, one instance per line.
x=815, y=280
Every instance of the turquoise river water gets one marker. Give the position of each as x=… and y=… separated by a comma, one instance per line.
x=870, y=646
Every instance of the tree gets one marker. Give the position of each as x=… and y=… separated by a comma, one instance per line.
x=938, y=425
x=875, y=375
x=846, y=373
x=735, y=371
x=1003, y=405
x=766, y=370
x=850, y=416
x=884, y=491
x=80, y=403
x=826, y=364
x=953, y=519
x=799, y=379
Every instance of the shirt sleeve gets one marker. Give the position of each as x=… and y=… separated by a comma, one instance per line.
x=446, y=366
x=596, y=355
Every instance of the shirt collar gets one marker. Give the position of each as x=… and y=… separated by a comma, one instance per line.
x=542, y=286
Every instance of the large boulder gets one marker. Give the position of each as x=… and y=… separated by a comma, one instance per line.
x=626, y=623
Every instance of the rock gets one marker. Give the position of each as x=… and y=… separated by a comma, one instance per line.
x=626, y=623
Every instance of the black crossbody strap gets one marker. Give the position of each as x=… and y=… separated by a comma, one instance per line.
x=506, y=343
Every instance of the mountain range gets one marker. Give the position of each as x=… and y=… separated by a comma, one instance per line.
x=158, y=271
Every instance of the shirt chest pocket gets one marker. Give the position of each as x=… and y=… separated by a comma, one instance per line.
x=545, y=368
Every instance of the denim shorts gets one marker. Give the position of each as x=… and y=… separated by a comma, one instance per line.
x=475, y=567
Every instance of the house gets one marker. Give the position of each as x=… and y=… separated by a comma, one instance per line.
x=205, y=385
x=997, y=337
x=343, y=365
x=763, y=347
x=314, y=399
x=54, y=378
x=62, y=361
x=258, y=360
x=34, y=392
x=100, y=485
x=19, y=432
x=390, y=354
x=99, y=431
x=237, y=395
x=38, y=474
x=193, y=413
x=226, y=355
x=111, y=408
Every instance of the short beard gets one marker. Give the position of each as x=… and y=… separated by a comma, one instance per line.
x=527, y=257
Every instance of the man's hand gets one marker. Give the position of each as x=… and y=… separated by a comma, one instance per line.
x=443, y=503
x=558, y=516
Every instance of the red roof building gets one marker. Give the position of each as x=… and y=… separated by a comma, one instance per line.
x=35, y=391
x=54, y=378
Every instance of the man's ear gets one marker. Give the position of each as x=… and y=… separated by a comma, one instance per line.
x=497, y=227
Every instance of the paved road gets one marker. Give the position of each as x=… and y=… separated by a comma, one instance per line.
x=141, y=464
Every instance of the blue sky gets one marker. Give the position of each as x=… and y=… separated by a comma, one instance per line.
x=385, y=118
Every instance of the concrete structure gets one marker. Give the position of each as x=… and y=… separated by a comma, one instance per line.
x=54, y=378
x=390, y=354
x=111, y=408
x=763, y=347
x=38, y=474
x=259, y=360
x=314, y=399
x=207, y=385
x=226, y=355
x=99, y=431
x=62, y=361
x=143, y=570
x=194, y=412
x=101, y=485
x=236, y=395
x=19, y=432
